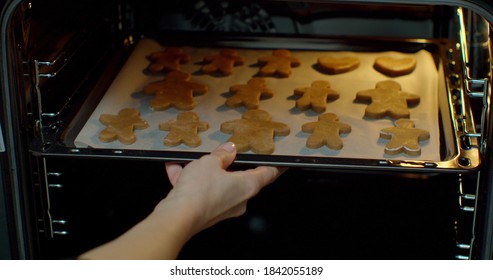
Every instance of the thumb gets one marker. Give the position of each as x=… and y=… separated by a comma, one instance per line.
x=173, y=170
x=226, y=152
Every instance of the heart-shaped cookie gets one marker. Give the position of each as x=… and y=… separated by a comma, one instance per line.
x=337, y=65
x=395, y=66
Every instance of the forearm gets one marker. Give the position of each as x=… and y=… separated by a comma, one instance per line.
x=160, y=236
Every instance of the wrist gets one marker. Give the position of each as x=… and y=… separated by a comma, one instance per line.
x=177, y=216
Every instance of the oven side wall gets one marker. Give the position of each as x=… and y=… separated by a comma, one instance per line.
x=5, y=253
x=15, y=166
x=484, y=245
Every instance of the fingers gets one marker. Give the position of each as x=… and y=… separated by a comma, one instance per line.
x=264, y=175
x=213, y=193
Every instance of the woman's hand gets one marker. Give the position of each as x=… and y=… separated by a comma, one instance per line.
x=210, y=192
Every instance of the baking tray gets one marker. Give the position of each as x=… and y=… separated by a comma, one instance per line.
x=361, y=146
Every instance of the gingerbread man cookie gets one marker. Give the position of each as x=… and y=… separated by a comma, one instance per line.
x=167, y=60
x=326, y=131
x=255, y=131
x=121, y=127
x=249, y=95
x=387, y=99
x=316, y=96
x=184, y=130
x=404, y=137
x=175, y=90
x=279, y=63
x=337, y=65
x=394, y=67
x=224, y=62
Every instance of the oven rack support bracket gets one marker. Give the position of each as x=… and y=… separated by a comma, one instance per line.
x=50, y=226
x=465, y=221
x=474, y=88
x=482, y=87
x=49, y=67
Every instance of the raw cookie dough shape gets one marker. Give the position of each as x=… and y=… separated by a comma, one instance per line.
x=255, y=131
x=167, y=60
x=279, y=63
x=249, y=95
x=387, y=99
x=337, y=65
x=316, y=96
x=404, y=137
x=184, y=130
x=394, y=67
x=326, y=131
x=121, y=127
x=224, y=62
x=175, y=90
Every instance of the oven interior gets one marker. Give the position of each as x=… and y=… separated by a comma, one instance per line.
x=64, y=55
x=66, y=86
x=306, y=214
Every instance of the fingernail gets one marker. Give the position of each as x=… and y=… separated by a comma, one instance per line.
x=229, y=147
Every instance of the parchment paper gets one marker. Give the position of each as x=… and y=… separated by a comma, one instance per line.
x=363, y=141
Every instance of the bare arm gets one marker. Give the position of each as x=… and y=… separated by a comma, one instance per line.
x=204, y=193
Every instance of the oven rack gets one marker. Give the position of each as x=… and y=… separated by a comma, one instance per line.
x=62, y=52
x=60, y=78
x=44, y=73
x=51, y=63
x=50, y=66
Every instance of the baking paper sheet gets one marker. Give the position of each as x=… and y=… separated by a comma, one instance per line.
x=363, y=142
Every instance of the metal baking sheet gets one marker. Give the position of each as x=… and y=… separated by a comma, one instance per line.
x=362, y=143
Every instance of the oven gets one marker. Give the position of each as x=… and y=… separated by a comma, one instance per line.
x=65, y=63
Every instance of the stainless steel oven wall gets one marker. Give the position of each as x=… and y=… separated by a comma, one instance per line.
x=483, y=242
x=27, y=30
x=477, y=66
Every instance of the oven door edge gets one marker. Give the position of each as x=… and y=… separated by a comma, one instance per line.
x=14, y=178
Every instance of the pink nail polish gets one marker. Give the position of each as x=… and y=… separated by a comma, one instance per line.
x=229, y=147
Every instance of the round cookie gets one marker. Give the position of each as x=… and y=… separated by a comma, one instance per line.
x=394, y=67
x=337, y=65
